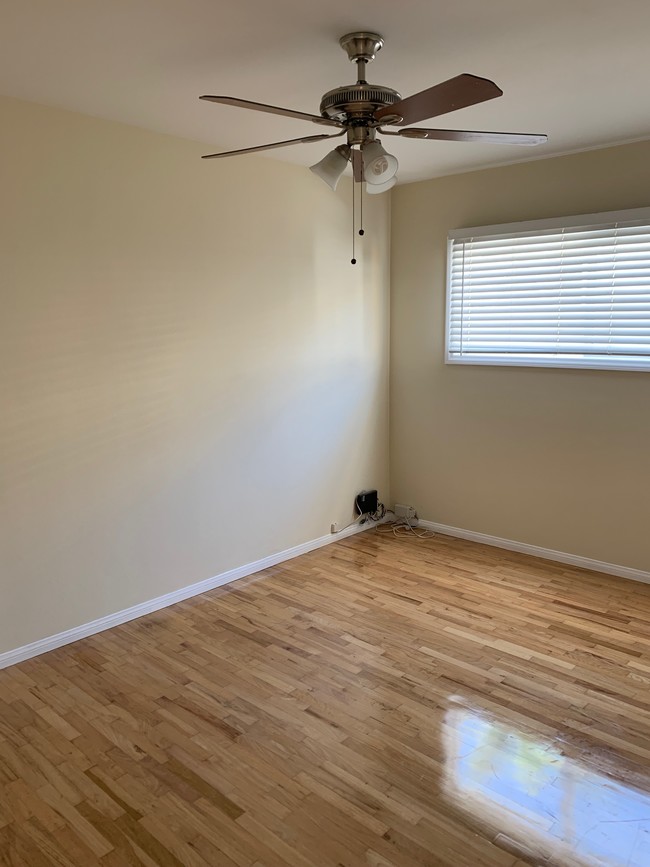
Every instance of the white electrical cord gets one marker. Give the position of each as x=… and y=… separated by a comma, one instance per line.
x=365, y=517
x=398, y=527
x=403, y=527
x=355, y=523
x=371, y=516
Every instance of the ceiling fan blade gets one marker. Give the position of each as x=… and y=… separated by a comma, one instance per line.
x=267, y=147
x=357, y=166
x=458, y=92
x=271, y=109
x=513, y=138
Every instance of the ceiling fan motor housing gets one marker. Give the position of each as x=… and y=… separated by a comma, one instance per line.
x=357, y=103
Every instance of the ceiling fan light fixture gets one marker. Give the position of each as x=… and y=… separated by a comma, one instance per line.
x=375, y=189
x=378, y=165
x=332, y=166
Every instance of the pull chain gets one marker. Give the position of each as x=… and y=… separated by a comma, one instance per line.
x=353, y=259
x=361, y=208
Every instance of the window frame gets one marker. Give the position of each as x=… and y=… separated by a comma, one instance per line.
x=567, y=222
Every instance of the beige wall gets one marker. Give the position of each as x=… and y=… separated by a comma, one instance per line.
x=192, y=374
x=556, y=458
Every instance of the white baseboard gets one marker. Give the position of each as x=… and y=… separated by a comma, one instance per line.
x=20, y=654
x=535, y=551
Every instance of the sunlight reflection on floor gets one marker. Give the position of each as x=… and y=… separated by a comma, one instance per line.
x=538, y=801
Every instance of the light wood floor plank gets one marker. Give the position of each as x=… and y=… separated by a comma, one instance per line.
x=383, y=701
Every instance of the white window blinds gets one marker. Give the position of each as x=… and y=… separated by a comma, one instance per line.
x=565, y=293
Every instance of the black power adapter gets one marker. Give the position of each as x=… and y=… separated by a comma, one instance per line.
x=366, y=502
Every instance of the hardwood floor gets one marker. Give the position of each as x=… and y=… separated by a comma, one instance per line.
x=377, y=702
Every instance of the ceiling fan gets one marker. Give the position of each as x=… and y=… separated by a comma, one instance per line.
x=362, y=110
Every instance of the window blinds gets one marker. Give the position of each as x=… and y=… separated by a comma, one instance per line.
x=572, y=293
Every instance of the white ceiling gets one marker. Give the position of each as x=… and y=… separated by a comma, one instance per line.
x=576, y=69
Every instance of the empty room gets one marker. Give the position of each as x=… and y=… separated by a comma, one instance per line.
x=324, y=434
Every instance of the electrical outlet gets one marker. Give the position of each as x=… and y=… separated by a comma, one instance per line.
x=334, y=527
x=403, y=511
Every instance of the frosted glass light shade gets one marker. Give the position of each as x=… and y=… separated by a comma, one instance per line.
x=332, y=166
x=375, y=189
x=378, y=166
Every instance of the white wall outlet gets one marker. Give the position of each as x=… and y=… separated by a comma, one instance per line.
x=334, y=527
x=403, y=511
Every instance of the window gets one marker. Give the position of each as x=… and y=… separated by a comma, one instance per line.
x=573, y=292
